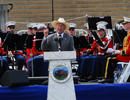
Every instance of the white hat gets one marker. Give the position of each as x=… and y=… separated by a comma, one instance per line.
x=41, y=26
x=101, y=25
x=102, y=22
x=10, y=23
x=61, y=20
x=126, y=20
x=35, y=25
x=72, y=25
x=86, y=25
x=29, y=25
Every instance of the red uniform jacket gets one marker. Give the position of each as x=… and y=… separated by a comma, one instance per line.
x=125, y=52
x=1, y=49
x=107, y=41
x=34, y=51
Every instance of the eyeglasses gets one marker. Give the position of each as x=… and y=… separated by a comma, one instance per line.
x=60, y=25
x=100, y=30
x=71, y=29
x=11, y=27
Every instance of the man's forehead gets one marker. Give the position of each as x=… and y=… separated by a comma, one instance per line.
x=126, y=24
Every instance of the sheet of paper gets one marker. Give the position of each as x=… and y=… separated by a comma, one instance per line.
x=110, y=50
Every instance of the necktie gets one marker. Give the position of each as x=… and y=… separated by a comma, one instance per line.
x=60, y=40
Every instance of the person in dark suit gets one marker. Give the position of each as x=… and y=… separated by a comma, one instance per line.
x=59, y=39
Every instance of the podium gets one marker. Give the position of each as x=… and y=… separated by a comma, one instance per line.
x=61, y=86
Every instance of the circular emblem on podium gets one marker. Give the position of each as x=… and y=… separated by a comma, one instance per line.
x=60, y=73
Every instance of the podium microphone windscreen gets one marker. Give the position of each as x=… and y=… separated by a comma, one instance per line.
x=60, y=38
x=56, y=38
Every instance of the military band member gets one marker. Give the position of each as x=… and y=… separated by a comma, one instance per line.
x=10, y=26
x=35, y=27
x=30, y=30
x=119, y=55
x=32, y=51
x=89, y=63
x=41, y=27
x=3, y=61
x=19, y=54
x=35, y=55
x=71, y=30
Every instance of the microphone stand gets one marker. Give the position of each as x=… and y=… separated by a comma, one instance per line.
x=97, y=78
x=97, y=63
x=59, y=42
x=79, y=62
x=59, y=48
x=1, y=53
x=100, y=43
x=32, y=63
x=1, y=60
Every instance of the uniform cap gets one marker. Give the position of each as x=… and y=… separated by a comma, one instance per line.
x=126, y=20
x=101, y=25
x=72, y=25
x=10, y=23
x=41, y=26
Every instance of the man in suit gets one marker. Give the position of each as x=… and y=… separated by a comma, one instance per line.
x=60, y=39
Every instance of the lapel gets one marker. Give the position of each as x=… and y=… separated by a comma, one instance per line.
x=64, y=40
x=55, y=42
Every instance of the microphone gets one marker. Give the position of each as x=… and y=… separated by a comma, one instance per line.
x=59, y=41
x=56, y=38
x=60, y=38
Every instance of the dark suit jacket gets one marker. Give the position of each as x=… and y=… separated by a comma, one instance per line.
x=52, y=45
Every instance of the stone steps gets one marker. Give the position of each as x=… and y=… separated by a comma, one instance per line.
x=112, y=9
x=63, y=6
x=41, y=2
x=41, y=10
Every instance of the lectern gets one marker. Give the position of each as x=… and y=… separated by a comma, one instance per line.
x=61, y=86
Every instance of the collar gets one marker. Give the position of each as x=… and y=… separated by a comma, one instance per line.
x=61, y=34
x=128, y=32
